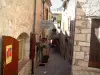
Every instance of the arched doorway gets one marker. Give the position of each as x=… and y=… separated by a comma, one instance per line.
x=24, y=49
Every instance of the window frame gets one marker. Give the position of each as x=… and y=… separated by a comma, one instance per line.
x=22, y=49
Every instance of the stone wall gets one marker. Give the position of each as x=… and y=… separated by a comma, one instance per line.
x=38, y=18
x=16, y=17
x=82, y=43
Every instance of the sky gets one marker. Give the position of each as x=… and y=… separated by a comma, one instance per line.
x=56, y=4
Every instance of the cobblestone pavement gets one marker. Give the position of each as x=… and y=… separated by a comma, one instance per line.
x=55, y=66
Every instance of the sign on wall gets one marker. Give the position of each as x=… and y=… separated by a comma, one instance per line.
x=8, y=54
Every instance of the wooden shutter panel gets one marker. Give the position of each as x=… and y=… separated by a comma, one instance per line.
x=94, y=60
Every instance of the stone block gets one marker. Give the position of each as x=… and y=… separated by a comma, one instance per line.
x=87, y=53
x=80, y=24
x=84, y=44
x=86, y=58
x=73, y=61
x=76, y=68
x=85, y=22
x=88, y=37
x=84, y=73
x=74, y=42
x=78, y=17
x=80, y=37
x=77, y=48
x=80, y=12
x=79, y=55
x=82, y=63
x=87, y=31
x=75, y=72
x=89, y=25
x=77, y=30
x=84, y=18
x=97, y=74
x=93, y=69
x=85, y=49
x=79, y=9
x=91, y=73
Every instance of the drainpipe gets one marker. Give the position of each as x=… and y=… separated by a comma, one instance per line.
x=34, y=16
x=43, y=8
x=33, y=39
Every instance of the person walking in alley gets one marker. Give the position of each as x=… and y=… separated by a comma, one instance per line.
x=55, y=44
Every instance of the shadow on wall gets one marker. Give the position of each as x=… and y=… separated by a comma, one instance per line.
x=67, y=43
x=66, y=49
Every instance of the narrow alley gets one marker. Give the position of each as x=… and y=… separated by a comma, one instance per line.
x=30, y=28
x=55, y=66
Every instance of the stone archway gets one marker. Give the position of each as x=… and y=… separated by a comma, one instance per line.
x=24, y=49
x=24, y=44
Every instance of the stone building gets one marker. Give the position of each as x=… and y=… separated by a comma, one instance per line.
x=47, y=15
x=43, y=13
x=83, y=16
x=16, y=20
x=39, y=15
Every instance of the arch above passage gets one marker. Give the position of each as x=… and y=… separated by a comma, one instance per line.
x=23, y=36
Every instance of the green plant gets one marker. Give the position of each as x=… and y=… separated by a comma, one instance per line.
x=59, y=18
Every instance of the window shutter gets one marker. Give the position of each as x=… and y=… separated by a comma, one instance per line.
x=94, y=60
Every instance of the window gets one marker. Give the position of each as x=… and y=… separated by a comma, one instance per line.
x=23, y=46
x=21, y=49
x=46, y=14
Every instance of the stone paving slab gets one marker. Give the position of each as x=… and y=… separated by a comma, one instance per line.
x=56, y=66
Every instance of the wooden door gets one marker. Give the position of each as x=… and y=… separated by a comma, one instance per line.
x=94, y=58
x=9, y=56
